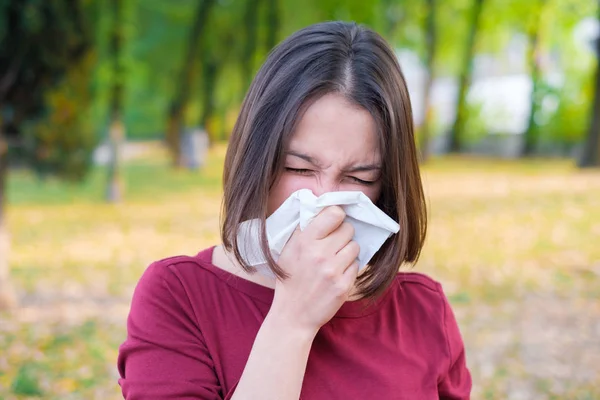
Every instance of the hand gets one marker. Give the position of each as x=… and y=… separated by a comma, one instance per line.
x=322, y=267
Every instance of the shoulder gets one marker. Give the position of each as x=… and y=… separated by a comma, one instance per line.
x=417, y=281
x=416, y=284
x=179, y=278
x=424, y=308
x=180, y=268
x=422, y=297
x=176, y=286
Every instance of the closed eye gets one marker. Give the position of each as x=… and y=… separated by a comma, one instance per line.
x=362, y=182
x=299, y=171
x=303, y=171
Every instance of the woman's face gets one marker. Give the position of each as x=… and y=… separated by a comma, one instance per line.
x=334, y=148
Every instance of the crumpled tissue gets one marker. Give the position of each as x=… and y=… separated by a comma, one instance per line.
x=372, y=227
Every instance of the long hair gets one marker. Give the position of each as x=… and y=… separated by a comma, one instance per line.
x=331, y=57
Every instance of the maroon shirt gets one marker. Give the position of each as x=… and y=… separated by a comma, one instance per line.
x=192, y=326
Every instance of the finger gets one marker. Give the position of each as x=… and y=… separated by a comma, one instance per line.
x=348, y=254
x=349, y=276
x=339, y=238
x=328, y=220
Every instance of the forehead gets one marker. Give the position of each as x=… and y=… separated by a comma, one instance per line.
x=334, y=130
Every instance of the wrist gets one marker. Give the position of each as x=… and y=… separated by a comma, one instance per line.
x=288, y=327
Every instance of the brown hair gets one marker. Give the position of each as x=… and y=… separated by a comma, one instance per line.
x=331, y=57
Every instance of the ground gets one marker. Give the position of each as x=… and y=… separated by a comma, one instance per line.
x=516, y=246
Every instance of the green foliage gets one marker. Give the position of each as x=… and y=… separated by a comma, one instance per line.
x=156, y=34
x=45, y=62
x=140, y=86
x=224, y=46
x=452, y=28
x=569, y=122
x=26, y=382
x=474, y=128
x=62, y=141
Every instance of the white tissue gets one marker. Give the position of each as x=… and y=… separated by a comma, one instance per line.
x=371, y=225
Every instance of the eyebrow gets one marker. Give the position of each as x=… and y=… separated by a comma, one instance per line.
x=363, y=168
x=305, y=157
x=356, y=168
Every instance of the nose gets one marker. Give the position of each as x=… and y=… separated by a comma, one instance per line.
x=325, y=185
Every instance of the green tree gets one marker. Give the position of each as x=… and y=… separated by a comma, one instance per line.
x=218, y=58
x=251, y=22
x=530, y=137
x=465, y=77
x=155, y=38
x=179, y=104
x=273, y=24
x=45, y=47
x=590, y=156
x=431, y=44
x=116, y=133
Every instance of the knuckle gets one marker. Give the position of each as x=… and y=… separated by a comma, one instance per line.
x=349, y=228
x=328, y=273
x=354, y=248
x=336, y=212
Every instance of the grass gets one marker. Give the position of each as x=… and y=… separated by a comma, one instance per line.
x=502, y=235
x=147, y=177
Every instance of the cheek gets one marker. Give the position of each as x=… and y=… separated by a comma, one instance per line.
x=285, y=186
x=373, y=192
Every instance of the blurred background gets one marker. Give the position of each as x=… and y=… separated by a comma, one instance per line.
x=114, y=119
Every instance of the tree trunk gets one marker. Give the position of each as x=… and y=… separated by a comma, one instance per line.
x=116, y=134
x=251, y=28
x=430, y=62
x=530, y=137
x=272, y=24
x=210, y=71
x=179, y=103
x=457, y=132
x=7, y=294
x=115, y=184
x=590, y=155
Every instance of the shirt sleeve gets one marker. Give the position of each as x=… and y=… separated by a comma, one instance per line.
x=164, y=355
x=456, y=383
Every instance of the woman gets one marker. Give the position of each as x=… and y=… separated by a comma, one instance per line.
x=328, y=111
